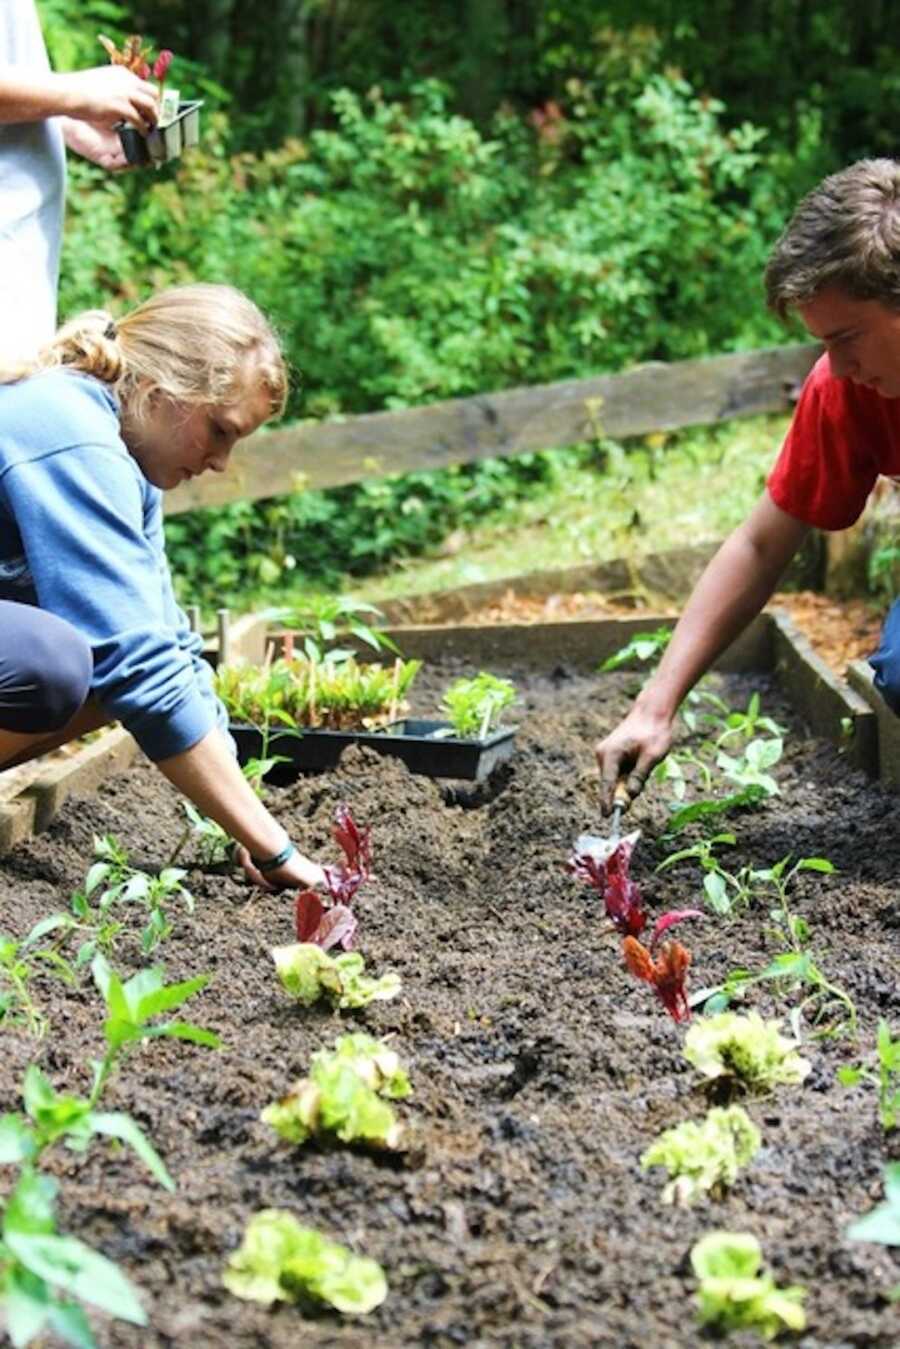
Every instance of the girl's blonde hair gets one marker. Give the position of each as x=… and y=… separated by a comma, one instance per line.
x=196, y=344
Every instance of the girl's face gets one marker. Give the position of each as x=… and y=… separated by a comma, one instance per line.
x=175, y=442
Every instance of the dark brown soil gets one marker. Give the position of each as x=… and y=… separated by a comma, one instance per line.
x=520, y=1217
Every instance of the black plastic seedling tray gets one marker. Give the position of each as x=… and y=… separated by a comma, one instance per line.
x=413, y=740
x=163, y=143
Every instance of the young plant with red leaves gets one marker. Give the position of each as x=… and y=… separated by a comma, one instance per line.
x=335, y=924
x=605, y=869
x=666, y=972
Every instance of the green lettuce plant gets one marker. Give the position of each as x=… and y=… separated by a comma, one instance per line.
x=885, y=1077
x=42, y=1271
x=343, y=1096
x=308, y=973
x=279, y=1260
x=744, y=1050
x=705, y=1156
x=736, y=1293
x=473, y=706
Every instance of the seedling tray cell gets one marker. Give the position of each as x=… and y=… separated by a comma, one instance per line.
x=419, y=743
x=163, y=143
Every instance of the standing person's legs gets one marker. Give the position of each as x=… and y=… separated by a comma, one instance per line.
x=886, y=660
x=45, y=677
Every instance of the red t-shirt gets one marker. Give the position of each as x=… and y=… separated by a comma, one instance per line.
x=841, y=438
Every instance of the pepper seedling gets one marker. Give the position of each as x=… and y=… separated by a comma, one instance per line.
x=281, y=1261
x=885, y=1077
x=19, y=963
x=882, y=1225
x=736, y=1293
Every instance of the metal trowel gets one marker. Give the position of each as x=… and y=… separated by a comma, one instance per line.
x=602, y=847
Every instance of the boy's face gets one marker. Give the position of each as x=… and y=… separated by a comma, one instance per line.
x=861, y=337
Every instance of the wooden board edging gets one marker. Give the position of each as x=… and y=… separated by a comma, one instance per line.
x=653, y=397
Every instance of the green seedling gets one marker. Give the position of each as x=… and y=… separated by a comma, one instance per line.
x=704, y=1157
x=112, y=881
x=343, y=1096
x=320, y=620
x=214, y=842
x=670, y=772
x=750, y=769
x=280, y=1261
x=42, y=1271
x=749, y=796
x=884, y=1077
x=882, y=1225
x=132, y=1005
x=826, y=1005
x=645, y=648
x=317, y=695
x=473, y=706
x=744, y=1051
x=51, y=1117
x=744, y=725
x=723, y=890
x=19, y=962
x=307, y=973
x=736, y=1293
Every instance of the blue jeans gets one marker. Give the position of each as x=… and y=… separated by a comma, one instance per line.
x=45, y=670
x=886, y=660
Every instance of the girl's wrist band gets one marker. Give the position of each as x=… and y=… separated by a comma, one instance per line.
x=266, y=864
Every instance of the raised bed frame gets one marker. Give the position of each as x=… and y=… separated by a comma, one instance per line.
x=852, y=715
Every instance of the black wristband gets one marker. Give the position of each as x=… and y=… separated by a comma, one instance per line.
x=268, y=864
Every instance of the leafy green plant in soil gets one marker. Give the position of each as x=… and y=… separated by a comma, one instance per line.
x=745, y=1051
x=736, y=1293
x=19, y=962
x=882, y=1225
x=706, y=1156
x=281, y=1261
x=884, y=1076
x=307, y=973
x=343, y=1096
x=122, y=884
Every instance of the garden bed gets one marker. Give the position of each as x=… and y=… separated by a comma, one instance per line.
x=520, y=1217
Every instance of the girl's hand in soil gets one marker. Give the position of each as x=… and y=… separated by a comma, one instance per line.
x=634, y=748
x=106, y=95
x=298, y=872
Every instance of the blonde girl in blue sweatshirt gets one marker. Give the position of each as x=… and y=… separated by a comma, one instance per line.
x=109, y=416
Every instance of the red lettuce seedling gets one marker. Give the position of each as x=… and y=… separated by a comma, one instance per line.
x=335, y=924
x=666, y=972
x=606, y=870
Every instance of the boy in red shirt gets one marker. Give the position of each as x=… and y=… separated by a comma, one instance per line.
x=838, y=265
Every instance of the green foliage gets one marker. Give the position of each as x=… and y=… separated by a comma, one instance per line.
x=41, y=1272
x=885, y=1077
x=645, y=647
x=735, y=1293
x=882, y=1225
x=745, y=1050
x=281, y=1261
x=474, y=706
x=320, y=620
x=343, y=1096
x=114, y=882
x=705, y=1156
x=19, y=962
x=313, y=694
x=308, y=974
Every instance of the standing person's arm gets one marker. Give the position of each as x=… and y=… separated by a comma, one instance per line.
x=731, y=591
x=101, y=96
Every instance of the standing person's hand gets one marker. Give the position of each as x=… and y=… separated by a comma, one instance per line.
x=631, y=751
x=106, y=95
x=97, y=143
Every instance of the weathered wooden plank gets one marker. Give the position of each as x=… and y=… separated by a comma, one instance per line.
x=655, y=397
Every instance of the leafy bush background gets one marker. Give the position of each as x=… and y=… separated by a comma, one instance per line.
x=407, y=254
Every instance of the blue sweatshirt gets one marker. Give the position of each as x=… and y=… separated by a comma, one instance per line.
x=81, y=535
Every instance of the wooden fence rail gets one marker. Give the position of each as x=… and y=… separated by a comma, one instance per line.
x=655, y=397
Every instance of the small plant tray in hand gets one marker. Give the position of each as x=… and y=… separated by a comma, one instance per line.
x=424, y=746
x=163, y=143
